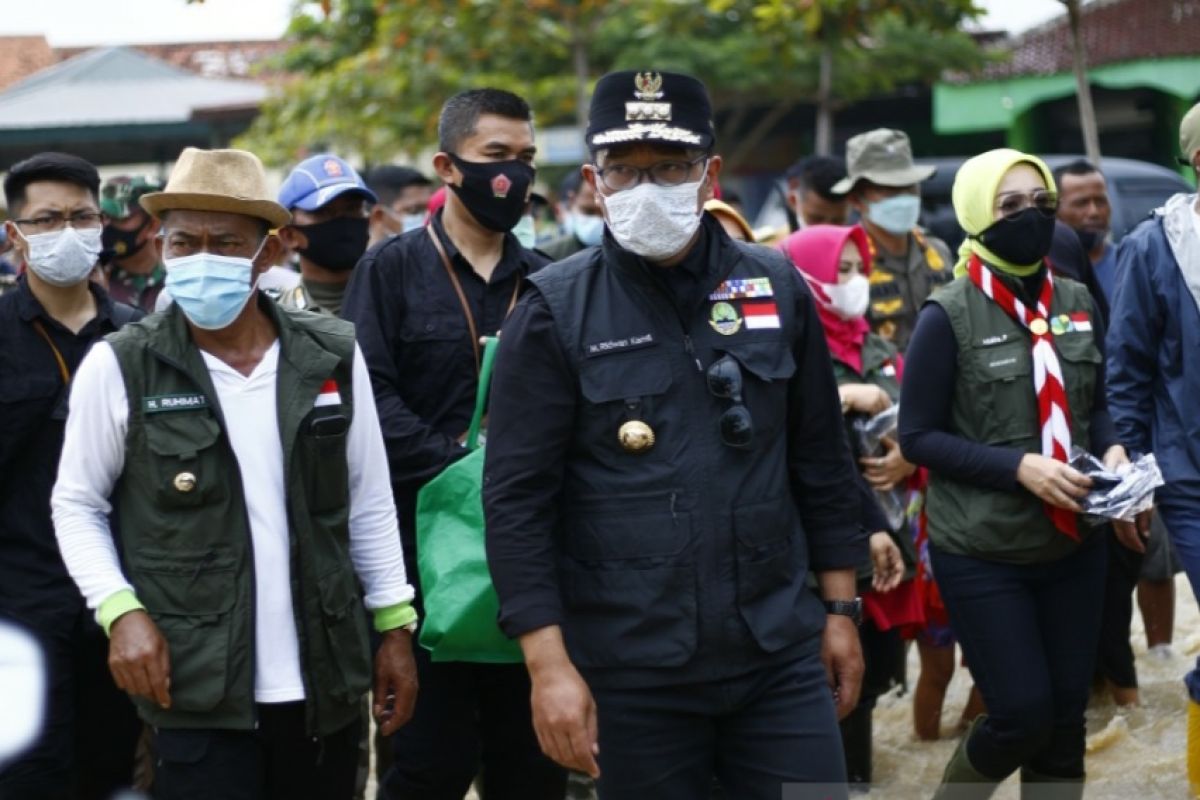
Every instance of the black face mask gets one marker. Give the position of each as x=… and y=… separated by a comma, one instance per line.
x=1022, y=240
x=122, y=244
x=1089, y=238
x=494, y=192
x=336, y=243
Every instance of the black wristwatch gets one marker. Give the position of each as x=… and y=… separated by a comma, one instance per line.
x=847, y=608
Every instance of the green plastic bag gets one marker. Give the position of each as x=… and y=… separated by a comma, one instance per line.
x=460, y=602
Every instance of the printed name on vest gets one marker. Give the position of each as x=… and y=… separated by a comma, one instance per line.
x=174, y=402
x=618, y=345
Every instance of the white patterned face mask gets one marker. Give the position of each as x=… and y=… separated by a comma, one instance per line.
x=66, y=257
x=656, y=222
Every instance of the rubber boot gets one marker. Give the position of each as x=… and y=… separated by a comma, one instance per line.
x=1038, y=786
x=961, y=781
x=856, y=745
x=1193, y=748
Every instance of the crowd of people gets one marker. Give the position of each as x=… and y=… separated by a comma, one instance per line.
x=730, y=476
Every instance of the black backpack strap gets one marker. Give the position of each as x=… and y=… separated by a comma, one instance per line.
x=123, y=314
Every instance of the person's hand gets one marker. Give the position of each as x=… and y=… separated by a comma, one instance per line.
x=1053, y=481
x=564, y=718
x=887, y=562
x=1130, y=534
x=886, y=471
x=395, y=681
x=138, y=658
x=841, y=653
x=864, y=398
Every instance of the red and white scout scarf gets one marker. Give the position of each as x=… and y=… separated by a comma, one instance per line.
x=1054, y=414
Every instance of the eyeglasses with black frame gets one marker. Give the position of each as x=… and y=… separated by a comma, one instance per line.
x=1011, y=204
x=725, y=382
x=619, y=177
x=47, y=223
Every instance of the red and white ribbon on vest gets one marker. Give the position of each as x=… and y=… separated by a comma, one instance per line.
x=1054, y=413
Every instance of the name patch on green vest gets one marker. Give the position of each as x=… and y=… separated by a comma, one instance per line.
x=174, y=402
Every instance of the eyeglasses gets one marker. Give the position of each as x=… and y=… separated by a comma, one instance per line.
x=1013, y=203
x=45, y=223
x=725, y=382
x=620, y=177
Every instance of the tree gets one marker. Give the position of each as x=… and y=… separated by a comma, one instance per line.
x=1087, y=112
x=371, y=74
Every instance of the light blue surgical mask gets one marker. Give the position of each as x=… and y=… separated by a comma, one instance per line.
x=211, y=290
x=897, y=215
x=588, y=228
x=526, y=232
x=410, y=222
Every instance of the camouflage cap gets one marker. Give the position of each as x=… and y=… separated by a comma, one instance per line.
x=119, y=195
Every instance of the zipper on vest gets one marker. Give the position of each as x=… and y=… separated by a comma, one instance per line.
x=690, y=349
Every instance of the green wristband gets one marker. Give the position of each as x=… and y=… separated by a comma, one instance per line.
x=392, y=617
x=115, y=606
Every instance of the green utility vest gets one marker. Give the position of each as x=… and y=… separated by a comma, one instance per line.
x=879, y=362
x=185, y=535
x=995, y=404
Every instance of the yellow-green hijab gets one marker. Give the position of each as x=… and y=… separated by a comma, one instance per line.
x=974, y=197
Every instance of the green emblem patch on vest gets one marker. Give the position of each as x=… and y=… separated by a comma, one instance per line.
x=724, y=319
x=174, y=402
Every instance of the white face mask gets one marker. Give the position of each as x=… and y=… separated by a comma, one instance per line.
x=656, y=222
x=526, y=232
x=849, y=300
x=66, y=257
x=588, y=228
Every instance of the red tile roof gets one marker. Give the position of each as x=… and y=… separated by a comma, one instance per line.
x=236, y=59
x=1113, y=31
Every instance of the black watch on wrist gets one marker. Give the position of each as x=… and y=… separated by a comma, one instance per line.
x=846, y=608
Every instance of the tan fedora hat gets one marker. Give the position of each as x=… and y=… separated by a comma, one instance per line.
x=232, y=181
x=883, y=157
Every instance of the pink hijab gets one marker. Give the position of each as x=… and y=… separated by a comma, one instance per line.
x=816, y=251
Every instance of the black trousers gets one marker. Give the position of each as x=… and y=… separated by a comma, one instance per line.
x=1115, y=659
x=470, y=719
x=275, y=762
x=1030, y=633
x=768, y=734
x=91, y=728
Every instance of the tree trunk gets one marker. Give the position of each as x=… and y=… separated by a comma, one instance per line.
x=824, y=141
x=747, y=144
x=579, y=58
x=1087, y=112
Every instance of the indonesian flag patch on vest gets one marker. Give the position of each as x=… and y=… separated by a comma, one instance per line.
x=329, y=396
x=761, y=315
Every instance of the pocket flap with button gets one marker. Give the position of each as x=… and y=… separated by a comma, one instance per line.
x=628, y=527
x=769, y=361
x=616, y=377
x=1004, y=362
x=182, y=434
x=198, y=586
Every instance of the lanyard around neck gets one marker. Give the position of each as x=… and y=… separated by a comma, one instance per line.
x=58, y=356
x=462, y=296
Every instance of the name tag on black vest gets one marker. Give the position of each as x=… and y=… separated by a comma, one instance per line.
x=174, y=402
x=618, y=345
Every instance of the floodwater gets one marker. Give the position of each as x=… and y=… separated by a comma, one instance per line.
x=1132, y=753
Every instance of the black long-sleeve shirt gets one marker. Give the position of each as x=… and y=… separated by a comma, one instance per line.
x=930, y=375
x=415, y=339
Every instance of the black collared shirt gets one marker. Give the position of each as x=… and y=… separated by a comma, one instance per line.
x=417, y=344
x=33, y=412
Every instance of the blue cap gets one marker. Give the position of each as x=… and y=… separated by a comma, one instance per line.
x=318, y=180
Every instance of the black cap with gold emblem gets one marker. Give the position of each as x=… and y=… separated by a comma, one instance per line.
x=648, y=106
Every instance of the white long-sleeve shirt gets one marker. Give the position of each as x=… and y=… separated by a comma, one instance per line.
x=93, y=458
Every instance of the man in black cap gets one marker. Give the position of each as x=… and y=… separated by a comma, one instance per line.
x=666, y=464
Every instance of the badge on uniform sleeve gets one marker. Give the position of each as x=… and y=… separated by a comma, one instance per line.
x=724, y=319
x=761, y=315
x=329, y=396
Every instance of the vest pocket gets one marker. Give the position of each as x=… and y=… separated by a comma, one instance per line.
x=1081, y=363
x=629, y=582
x=766, y=366
x=1001, y=387
x=771, y=571
x=619, y=388
x=191, y=597
x=185, y=458
x=327, y=477
x=345, y=624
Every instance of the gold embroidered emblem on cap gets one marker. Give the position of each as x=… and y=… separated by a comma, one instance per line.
x=647, y=89
x=635, y=436
x=184, y=482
